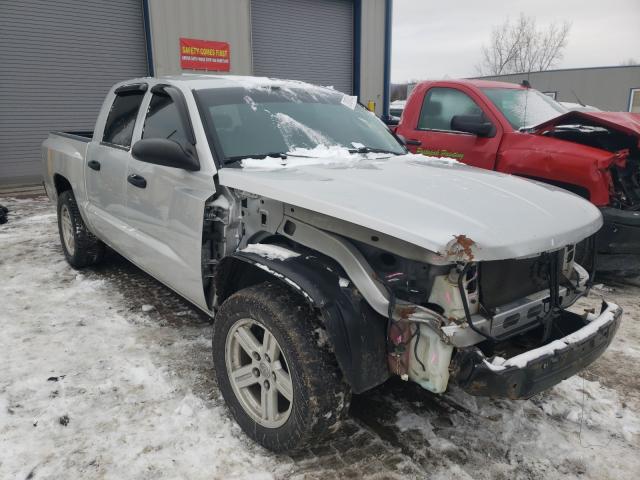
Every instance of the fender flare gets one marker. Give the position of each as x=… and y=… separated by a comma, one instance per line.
x=356, y=333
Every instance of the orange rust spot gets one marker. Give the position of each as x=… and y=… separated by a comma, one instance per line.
x=406, y=312
x=460, y=247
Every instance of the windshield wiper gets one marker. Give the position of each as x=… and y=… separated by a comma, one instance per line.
x=371, y=150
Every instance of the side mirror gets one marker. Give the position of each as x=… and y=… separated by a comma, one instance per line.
x=161, y=151
x=475, y=124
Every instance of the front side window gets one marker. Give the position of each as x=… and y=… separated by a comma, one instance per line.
x=440, y=105
x=253, y=122
x=122, y=118
x=524, y=107
x=163, y=120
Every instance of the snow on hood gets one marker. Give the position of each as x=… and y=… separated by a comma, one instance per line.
x=438, y=204
x=320, y=155
x=622, y=121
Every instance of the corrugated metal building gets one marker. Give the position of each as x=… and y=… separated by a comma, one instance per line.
x=615, y=89
x=58, y=59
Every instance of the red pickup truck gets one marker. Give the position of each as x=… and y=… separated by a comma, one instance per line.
x=516, y=129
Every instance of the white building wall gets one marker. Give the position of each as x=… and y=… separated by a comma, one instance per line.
x=218, y=20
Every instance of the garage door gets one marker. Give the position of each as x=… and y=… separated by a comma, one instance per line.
x=310, y=40
x=57, y=61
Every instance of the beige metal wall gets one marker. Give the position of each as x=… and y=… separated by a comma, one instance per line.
x=607, y=88
x=372, y=53
x=217, y=20
x=230, y=21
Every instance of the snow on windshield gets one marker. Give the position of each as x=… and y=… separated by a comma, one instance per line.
x=291, y=128
x=524, y=108
x=259, y=119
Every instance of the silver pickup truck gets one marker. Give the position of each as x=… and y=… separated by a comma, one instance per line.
x=329, y=257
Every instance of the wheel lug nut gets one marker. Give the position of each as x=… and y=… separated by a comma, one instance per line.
x=256, y=372
x=256, y=356
x=266, y=357
x=266, y=384
x=273, y=375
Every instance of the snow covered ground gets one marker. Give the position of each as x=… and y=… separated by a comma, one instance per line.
x=107, y=374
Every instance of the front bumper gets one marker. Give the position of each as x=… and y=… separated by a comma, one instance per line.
x=536, y=370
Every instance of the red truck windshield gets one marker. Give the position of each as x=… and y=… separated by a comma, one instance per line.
x=524, y=108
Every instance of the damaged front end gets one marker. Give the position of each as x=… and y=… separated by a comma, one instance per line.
x=495, y=328
x=616, y=182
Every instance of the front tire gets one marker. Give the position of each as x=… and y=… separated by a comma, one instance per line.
x=81, y=247
x=284, y=390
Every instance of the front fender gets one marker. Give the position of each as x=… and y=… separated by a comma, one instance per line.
x=356, y=332
x=558, y=162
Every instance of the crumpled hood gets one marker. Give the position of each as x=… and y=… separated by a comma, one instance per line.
x=455, y=210
x=622, y=121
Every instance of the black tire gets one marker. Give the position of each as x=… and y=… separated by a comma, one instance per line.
x=320, y=396
x=87, y=249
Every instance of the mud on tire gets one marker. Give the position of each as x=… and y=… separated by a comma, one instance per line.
x=320, y=399
x=81, y=248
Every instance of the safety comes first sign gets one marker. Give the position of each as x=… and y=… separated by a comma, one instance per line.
x=204, y=55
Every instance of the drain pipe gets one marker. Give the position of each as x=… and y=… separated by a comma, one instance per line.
x=386, y=92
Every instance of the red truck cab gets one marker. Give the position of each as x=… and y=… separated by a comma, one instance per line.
x=518, y=130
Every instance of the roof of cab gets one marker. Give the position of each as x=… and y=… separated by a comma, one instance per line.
x=195, y=81
x=478, y=83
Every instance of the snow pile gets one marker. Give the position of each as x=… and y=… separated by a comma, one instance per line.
x=333, y=155
x=90, y=387
x=417, y=159
x=270, y=252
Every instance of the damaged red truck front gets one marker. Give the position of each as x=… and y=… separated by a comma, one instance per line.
x=515, y=129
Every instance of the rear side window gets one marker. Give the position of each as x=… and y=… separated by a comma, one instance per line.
x=122, y=118
x=163, y=120
x=441, y=105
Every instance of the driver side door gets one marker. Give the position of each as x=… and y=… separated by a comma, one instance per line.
x=165, y=206
x=434, y=136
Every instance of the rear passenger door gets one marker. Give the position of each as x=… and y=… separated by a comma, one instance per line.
x=436, y=137
x=106, y=165
x=165, y=205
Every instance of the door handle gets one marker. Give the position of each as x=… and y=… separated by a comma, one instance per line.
x=94, y=165
x=416, y=143
x=137, y=181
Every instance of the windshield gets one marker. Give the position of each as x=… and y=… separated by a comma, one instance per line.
x=258, y=122
x=524, y=108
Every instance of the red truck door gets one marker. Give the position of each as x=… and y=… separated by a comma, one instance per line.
x=428, y=129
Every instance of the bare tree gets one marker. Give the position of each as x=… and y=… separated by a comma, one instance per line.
x=520, y=46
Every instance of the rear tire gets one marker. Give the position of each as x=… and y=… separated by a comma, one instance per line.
x=250, y=324
x=81, y=247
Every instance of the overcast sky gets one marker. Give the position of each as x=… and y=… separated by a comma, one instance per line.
x=436, y=39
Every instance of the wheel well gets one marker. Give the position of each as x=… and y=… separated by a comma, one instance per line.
x=61, y=183
x=233, y=275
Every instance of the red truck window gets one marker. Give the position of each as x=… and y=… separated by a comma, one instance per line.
x=441, y=105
